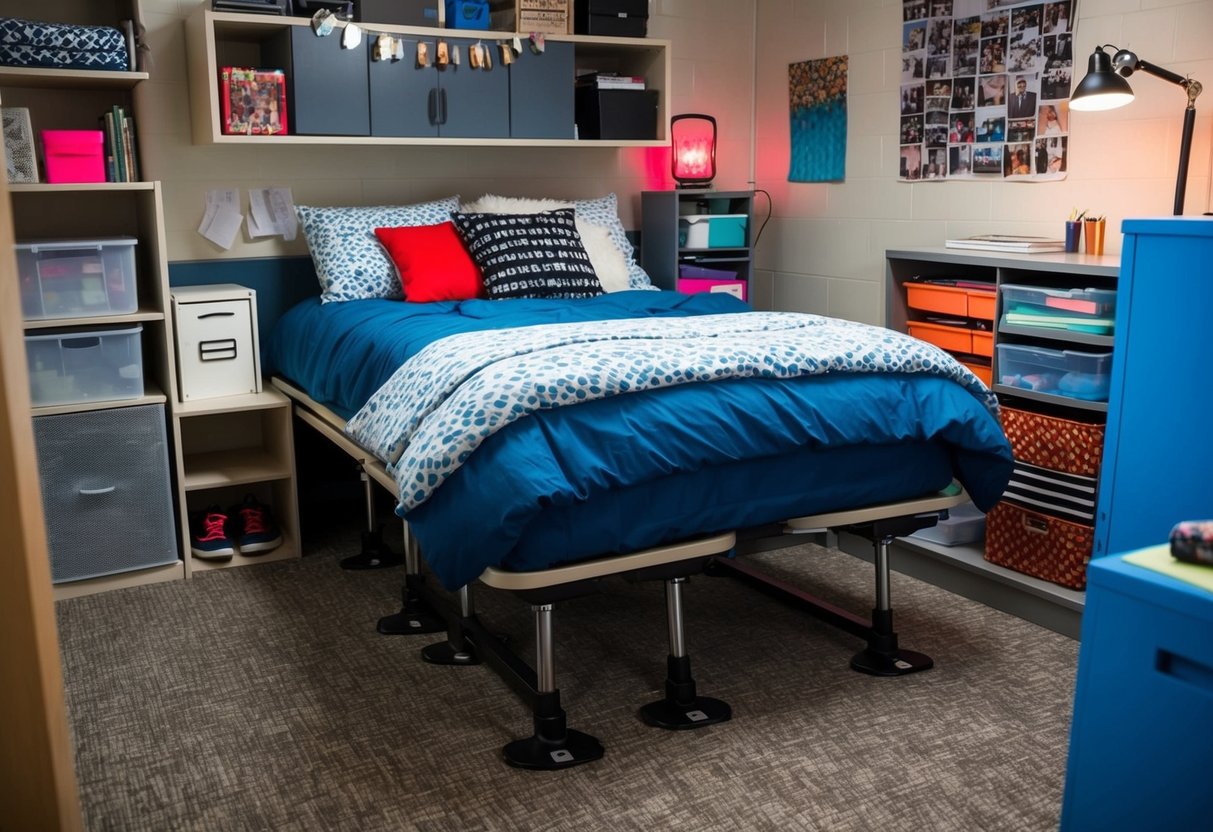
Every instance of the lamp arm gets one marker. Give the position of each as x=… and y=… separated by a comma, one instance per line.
x=1159, y=72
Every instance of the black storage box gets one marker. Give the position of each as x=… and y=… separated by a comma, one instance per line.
x=616, y=114
x=612, y=18
x=398, y=12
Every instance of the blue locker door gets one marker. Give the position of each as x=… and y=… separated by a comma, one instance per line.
x=541, y=94
x=404, y=95
x=475, y=102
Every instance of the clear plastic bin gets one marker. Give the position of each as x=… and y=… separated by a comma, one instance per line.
x=1069, y=373
x=1091, y=303
x=77, y=278
x=85, y=366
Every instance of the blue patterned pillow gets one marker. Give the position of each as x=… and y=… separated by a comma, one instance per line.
x=349, y=261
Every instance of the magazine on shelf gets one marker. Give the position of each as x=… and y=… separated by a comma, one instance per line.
x=1008, y=242
x=611, y=81
x=253, y=101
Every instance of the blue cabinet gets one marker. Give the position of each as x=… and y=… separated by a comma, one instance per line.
x=1140, y=746
x=1158, y=449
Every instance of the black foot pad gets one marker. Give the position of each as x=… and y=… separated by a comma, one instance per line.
x=446, y=653
x=899, y=663
x=410, y=623
x=701, y=711
x=374, y=555
x=576, y=748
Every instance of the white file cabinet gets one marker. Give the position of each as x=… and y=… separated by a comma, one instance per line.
x=217, y=347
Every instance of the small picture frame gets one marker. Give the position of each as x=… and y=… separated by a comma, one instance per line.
x=20, y=161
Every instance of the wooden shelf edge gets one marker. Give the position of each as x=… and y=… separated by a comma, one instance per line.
x=136, y=577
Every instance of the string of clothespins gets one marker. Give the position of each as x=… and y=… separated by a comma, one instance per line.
x=389, y=46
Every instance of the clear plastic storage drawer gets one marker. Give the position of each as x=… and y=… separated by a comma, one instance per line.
x=77, y=278
x=69, y=367
x=1070, y=373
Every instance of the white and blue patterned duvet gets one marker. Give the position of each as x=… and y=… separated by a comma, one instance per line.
x=699, y=421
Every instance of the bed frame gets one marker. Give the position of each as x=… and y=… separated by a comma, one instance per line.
x=552, y=744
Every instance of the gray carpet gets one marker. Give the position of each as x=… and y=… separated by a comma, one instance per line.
x=262, y=698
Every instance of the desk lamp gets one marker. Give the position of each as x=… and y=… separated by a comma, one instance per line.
x=693, y=139
x=1105, y=87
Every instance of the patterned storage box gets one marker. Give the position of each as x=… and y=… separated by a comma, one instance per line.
x=1051, y=442
x=61, y=46
x=1039, y=545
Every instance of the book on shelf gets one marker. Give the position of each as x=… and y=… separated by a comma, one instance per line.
x=1007, y=242
x=120, y=148
x=611, y=81
x=253, y=101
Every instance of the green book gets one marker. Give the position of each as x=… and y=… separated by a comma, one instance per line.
x=119, y=145
x=1024, y=315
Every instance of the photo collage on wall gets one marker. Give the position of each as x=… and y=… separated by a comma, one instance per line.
x=985, y=89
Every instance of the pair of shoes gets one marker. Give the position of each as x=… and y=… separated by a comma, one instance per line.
x=248, y=528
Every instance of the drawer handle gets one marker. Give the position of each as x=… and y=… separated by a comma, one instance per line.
x=216, y=315
x=89, y=492
x=81, y=343
x=1184, y=669
x=218, y=350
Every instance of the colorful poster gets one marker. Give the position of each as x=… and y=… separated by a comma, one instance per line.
x=818, y=103
x=985, y=89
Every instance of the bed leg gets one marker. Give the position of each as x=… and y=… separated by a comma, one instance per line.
x=375, y=553
x=681, y=708
x=416, y=616
x=456, y=649
x=553, y=745
x=882, y=657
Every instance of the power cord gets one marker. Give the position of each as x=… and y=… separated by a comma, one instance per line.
x=770, y=210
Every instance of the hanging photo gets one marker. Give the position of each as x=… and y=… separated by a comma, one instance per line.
x=986, y=83
x=20, y=162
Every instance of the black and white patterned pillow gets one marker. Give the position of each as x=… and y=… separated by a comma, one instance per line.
x=529, y=255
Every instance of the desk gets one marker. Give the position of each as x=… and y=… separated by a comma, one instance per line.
x=1142, y=737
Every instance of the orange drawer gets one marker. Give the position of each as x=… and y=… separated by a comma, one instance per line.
x=931, y=298
x=982, y=371
x=981, y=304
x=951, y=338
x=950, y=300
x=983, y=343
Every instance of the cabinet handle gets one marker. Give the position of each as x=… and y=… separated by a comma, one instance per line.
x=1184, y=669
x=442, y=106
x=223, y=349
x=216, y=315
x=433, y=106
x=81, y=343
x=89, y=492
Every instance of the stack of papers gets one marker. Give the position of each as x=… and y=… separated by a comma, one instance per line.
x=1008, y=242
x=1027, y=315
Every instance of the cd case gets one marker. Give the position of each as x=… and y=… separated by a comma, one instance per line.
x=253, y=101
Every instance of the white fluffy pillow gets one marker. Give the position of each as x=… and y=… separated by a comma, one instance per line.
x=608, y=261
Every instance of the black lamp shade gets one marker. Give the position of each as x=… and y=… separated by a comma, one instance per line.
x=693, y=142
x=1102, y=88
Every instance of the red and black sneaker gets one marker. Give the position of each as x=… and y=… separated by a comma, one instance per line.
x=208, y=535
x=255, y=528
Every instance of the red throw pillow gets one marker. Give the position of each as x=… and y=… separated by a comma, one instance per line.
x=432, y=262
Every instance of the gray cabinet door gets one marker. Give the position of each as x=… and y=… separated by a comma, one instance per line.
x=328, y=85
x=453, y=101
x=474, y=103
x=541, y=93
x=403, y=95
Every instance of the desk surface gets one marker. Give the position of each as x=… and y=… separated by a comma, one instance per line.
x=1117, y=574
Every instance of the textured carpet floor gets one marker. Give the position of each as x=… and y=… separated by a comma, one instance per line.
x=262, y=698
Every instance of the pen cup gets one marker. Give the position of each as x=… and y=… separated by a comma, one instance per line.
x=1094, y=235
x=1073, y=232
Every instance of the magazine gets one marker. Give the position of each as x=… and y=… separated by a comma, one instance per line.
x=253, y=101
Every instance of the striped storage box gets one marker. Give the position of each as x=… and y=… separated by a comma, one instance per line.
x=1045, y=525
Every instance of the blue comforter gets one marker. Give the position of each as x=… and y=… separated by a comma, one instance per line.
x=625, y=472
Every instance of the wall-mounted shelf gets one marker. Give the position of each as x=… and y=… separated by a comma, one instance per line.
x=217, y=39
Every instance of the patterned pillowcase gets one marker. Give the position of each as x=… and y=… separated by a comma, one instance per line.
x=529, y=255
x=349, y=261
x=603, y=211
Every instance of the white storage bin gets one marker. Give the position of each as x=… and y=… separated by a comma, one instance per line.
x=69, y=367
x=77, y=278
x=712, y=230
x=217, y=349
x=964, y=524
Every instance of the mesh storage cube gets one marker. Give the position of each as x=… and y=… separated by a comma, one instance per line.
x=106, y=491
